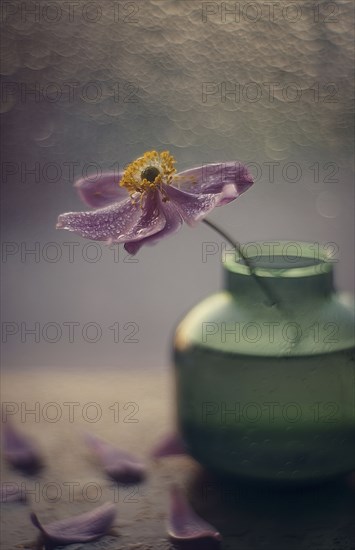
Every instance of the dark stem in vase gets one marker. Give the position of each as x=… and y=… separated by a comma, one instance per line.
x=263, y=286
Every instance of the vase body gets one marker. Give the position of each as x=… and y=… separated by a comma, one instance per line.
x=266, y=392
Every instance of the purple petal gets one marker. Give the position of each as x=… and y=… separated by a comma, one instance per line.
x=119, y=465
x=198, y=191
x=105, y=224
x=173, y=222
x=11, y=492
x=192, y=207
x=184, y=524
x=229, y=178
x=101, y=190
x=20, y=451
x=350, y=480
x=120, y=222
x=169, y=445
x=83, y=528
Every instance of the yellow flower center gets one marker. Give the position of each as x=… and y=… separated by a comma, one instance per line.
x=149, y=172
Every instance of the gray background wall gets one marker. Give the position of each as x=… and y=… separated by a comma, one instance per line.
x=100, y=84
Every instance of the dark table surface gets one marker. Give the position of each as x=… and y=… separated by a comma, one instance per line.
x=133, y=409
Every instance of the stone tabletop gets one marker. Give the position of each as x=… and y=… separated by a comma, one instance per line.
x=132, y=409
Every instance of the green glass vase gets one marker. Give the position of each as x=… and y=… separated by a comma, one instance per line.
x=266, y=392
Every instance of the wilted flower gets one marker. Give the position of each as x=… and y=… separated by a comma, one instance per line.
x=149, y=200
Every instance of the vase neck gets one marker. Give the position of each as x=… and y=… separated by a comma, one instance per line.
x=290, y=277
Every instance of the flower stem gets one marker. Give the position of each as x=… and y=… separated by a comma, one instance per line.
x=266, y=290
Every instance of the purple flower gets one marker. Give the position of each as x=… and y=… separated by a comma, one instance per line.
x=83, y=528
x=119, y=465
x=149, y=200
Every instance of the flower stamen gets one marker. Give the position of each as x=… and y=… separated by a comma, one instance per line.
x=151, y=171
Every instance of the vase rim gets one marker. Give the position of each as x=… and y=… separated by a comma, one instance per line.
x=310, y=260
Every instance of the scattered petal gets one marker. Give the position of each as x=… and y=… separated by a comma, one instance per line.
x=350, y=480
x=20, y=451
x=170, y=445
x=184, y=524
x=82, y=528
x=11, y=492
x=119, y=465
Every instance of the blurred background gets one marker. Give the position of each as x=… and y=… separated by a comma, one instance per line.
x=88, y=87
